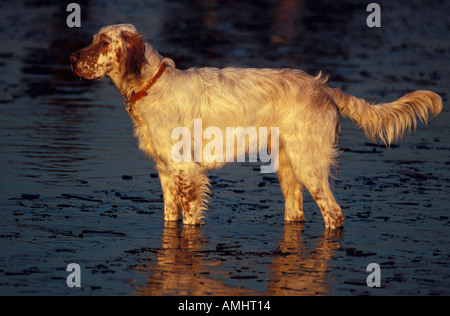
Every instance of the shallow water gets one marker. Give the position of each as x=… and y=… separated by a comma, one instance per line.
x=75, y=188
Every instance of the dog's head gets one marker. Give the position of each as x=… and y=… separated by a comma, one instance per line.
x=119, y=48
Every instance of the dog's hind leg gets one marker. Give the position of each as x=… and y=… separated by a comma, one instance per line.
x=292, y=190
x=311, y=160
x=314, y=177
x=319, y=187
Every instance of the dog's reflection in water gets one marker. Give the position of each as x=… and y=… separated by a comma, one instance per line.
x=185, y=267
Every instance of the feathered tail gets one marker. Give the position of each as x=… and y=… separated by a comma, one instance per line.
x=388, y=121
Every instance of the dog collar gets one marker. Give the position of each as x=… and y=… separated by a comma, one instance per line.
x=142, y=93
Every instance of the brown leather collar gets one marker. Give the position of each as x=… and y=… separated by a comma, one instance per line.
x=142, y=93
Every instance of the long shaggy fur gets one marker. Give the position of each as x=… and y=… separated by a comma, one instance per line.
x=388, y=121
x=303, y=108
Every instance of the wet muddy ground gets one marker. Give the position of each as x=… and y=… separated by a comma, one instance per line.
x=75, y=188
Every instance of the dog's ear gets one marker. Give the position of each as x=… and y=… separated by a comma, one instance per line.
x=134, y=53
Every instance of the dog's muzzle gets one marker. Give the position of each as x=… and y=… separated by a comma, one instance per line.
x=73, y=63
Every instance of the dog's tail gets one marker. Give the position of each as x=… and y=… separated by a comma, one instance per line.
x=387, y=121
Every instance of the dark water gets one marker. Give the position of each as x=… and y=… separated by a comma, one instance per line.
x=75, y=188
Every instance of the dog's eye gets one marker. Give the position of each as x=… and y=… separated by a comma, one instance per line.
x=105, y=43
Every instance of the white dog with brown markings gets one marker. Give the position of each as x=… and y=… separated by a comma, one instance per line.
x=305, y=110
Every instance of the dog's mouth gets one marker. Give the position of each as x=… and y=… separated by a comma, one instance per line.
x=76, y=72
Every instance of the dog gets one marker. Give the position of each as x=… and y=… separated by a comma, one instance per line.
x=305, y=111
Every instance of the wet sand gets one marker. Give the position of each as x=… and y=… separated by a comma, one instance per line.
x=75, y=188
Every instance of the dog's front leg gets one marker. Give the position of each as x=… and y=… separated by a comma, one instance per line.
x=192, y=188
x=172, y=204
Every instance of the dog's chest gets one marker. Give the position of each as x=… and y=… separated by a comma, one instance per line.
x=141, y=131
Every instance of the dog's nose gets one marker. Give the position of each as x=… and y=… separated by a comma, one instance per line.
x=73, y=58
